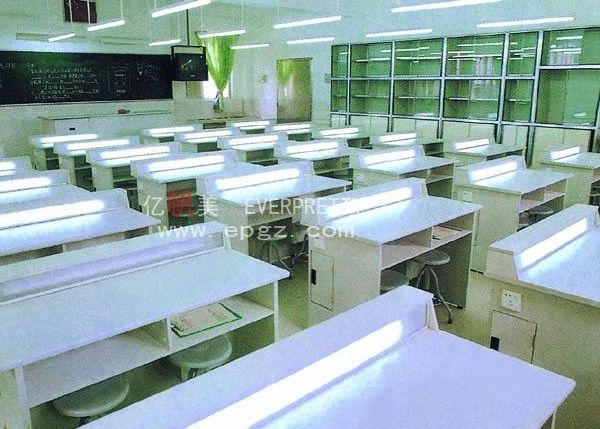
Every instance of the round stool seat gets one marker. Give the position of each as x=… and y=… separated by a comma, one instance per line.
x=433, y=258
x=595, y=193
x=94, y=400
x=541, y=211
x=205, y=356
x=391, y=280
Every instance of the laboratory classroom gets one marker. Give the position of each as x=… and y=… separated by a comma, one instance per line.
x=299, y=214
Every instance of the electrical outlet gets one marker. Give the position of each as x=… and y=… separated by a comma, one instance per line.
x=511, y=300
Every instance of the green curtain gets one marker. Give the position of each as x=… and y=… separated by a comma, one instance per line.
x=220, y=59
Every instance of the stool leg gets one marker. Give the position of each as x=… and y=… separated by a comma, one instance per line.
x=440, y=297
x=278, y=256
x=419, y=278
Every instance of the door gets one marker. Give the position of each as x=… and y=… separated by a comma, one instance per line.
x=294, y=90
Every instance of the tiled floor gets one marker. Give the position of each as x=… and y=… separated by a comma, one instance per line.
x=293, y=302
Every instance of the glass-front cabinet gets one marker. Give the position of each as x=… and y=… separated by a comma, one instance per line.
x=417, y=97
x=339, y=95
x=472, y=99
x=571, y=47
x=420, y=58
x=370, y=96
x=518, y=96
x=371, y=60
x=522, y=54
x=339, y=61
x=475, y=56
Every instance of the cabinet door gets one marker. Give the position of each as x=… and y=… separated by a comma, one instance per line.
x=321, y=279
x=513, y=336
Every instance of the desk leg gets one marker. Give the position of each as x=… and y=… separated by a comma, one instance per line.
x=14, y=406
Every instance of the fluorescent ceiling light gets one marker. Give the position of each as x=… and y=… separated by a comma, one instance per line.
x=260, y=405
x=165, y=42
x=254, y=46
x=221, y=33
x=304, y=22
x=61, y=37
x=229, y=183
x=400, y=33
x=544, y=248
x=178, y=7
x=526, y=22
x=107, y=24
x=440, y=5
x=313, y=40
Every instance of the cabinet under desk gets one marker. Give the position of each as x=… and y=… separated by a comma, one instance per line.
x=507, y=190
x=372, y=168
x=112, y=308
x=167, y=187
x=357, y=235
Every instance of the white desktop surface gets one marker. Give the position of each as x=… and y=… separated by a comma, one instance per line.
x=586, y=160
x=253, y=147
x=53, y=192
x=392, y=222
x=124, y=162
x=318, y=155
x=396, y=389
x=487, y=150
x=105, y=308
x=521, y=181
x=63, y=231
x=170, y=176
x=409, y=165
x=283, y=189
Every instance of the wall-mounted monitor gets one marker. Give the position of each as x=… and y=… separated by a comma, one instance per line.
x=189, y=63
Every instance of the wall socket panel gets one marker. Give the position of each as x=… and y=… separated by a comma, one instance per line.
x=511, y=300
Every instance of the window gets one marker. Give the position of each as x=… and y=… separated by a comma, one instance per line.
x=209, y=89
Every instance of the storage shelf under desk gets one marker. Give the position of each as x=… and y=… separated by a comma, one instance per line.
x=45, y=380
x=530, y=203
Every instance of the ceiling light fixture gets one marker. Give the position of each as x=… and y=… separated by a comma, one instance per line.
x=255, y=46
x=526, y=22
x=221, y=33
x=313, y=40
x=400, y=33
x=165, y=42
x=178, y=7
x=305, y=22
x=441, y=5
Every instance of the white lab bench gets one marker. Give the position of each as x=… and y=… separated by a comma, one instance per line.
x=111, y=308
x=357, y=235
x=295, y=131
x=71, y=156
x=44, y=157
x=252, y=126
x=374, y=167
x=255, y=149
x=378, y=366
x=330, y=158
x=550, y=313
x=167, y=134
x=36, y=228
x=272, y=197
x=111, y=168
x=205, y=140
x=480, y=150
x=15, y=165
x=584, y=166
x=433, y=147
x=37, y=185
x=167, y=187
x=506, y=189
x=353, y=136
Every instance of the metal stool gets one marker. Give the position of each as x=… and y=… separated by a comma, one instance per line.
x=298, y=230
x=595, y=197
x=203, y=357
x=93, y=401
x=539, y=213
x=270, y=242
x=434, y=258
x=391, y=280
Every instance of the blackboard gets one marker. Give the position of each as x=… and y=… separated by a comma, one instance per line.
x=48, y=77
